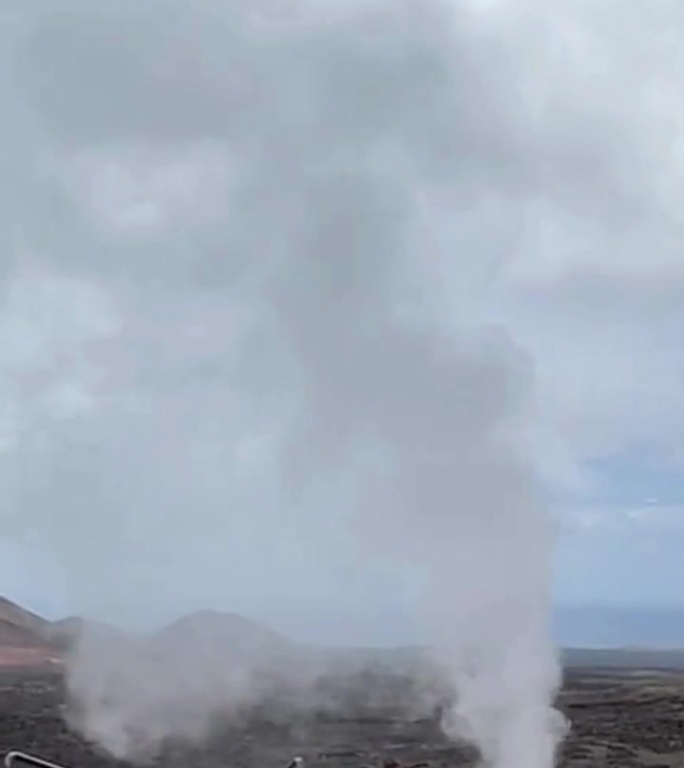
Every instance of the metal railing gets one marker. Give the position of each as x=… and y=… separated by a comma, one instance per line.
x=16, y=759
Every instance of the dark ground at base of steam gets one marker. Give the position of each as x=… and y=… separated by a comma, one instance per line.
x=627, y=720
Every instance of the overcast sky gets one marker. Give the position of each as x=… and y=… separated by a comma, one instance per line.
x=154, y=157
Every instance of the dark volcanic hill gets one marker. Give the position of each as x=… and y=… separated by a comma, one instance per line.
x=212, y=634
x=20, y=627
x=21, y=617
x=15, y=636
x=64, y=634
x=23, y=637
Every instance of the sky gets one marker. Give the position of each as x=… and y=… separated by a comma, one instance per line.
x=125, y=132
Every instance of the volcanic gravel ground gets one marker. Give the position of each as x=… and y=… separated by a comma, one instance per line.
x=627, y=720
x=624, y=720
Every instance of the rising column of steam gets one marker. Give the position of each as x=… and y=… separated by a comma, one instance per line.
x=353, y=174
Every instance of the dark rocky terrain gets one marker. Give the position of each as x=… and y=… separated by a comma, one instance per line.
x=624, y=719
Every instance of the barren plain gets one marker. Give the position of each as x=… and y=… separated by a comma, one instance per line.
x=619, y=718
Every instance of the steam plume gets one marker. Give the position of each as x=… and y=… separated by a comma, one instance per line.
x=251, y=337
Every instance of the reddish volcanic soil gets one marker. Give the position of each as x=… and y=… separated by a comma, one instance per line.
x=12, y=658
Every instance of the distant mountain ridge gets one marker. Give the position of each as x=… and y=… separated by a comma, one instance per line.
x=623, y=658
x=26, y=635
x=205, y=635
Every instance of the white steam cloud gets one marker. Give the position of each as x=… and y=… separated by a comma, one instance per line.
x=267, y=271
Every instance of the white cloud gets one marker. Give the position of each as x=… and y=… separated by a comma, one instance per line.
x=645, y=521
x=146, y=190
